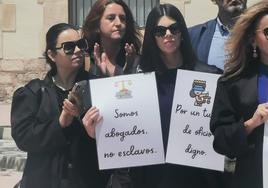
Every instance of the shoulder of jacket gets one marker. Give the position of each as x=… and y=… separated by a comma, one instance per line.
x=35, y=85
x=203, y=67
x=202, y=25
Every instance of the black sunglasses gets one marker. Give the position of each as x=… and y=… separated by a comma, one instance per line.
x=69, y=47
x=264, y=31
x=160, y=31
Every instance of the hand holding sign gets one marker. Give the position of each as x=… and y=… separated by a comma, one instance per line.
x=91, y=119
x=127, y=136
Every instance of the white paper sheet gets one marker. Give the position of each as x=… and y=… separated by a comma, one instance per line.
x=130, y=134
x=190, y=139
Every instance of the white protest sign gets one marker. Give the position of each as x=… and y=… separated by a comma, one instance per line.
x=130, y=134
x=190, y=139
x=265, y=156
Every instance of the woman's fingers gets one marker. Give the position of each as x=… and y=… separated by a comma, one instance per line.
x=71, y=108
x=130, y=56
x=96, y=54
x=91, y=116
x=100, y=118
x=261, y=114
x=94, y=117
x=90, y=112
x=90, y=120
x=130, y=50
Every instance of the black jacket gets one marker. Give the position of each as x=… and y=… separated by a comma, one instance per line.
x=235, y=102
x=57, y=157
x=178, y=176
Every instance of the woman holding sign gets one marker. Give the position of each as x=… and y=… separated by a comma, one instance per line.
x=44, y=123
x=166, y=48
x=114, y=42
x=241, y=108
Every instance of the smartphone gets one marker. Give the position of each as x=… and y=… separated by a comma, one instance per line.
x=82, y=93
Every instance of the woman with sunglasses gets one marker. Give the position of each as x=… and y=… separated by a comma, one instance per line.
x=241, y=107
x=166, y=48
x=113, y=37
x=44, y=123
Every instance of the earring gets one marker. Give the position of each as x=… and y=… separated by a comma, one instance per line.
x=254, y=54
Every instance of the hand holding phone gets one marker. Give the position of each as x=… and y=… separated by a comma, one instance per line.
x=80, y=96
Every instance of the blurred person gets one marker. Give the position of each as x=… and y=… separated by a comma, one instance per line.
x=240, y=108
x=208, y=38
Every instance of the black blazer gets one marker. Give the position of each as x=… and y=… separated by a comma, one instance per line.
x=201, y=37
x=235, y=102
x=56, y=156
x=179, y=176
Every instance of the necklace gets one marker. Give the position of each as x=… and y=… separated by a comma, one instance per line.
x=59, y=86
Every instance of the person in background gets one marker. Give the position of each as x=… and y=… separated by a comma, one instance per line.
x=208, y=38
x=167, y=38
x=114, y=44
x=241, y=108
x=166, y=48
x=44, y=122
x=113, y=37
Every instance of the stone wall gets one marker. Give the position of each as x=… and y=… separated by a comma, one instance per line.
x=16, y=73
x=22, y=39
x=22, y=36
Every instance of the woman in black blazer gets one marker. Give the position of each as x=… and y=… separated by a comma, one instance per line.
x=240, y=107
x=59, y=152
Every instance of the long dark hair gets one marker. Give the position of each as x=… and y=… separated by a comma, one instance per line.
x=51, y=42
x=91, y=27
x=239, y=48
x=151, y=55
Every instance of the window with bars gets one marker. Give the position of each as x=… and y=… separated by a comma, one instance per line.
x=78, y=10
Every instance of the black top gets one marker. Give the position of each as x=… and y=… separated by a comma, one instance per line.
x=56, y=157
x=165, y=88
x=235, y=102
x=170, y=175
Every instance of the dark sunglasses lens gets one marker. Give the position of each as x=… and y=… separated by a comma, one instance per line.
x=82, y=44
x=265, y=32
x=174, y=29
x=160, y=31
x=69, y=47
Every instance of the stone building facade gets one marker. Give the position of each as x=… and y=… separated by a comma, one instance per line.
x=23, y=24
x=22, y=28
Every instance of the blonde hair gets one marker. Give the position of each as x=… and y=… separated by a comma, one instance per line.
x=239, y=45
